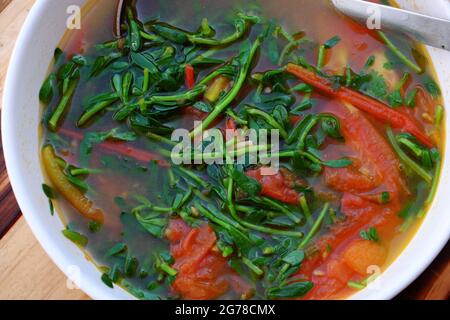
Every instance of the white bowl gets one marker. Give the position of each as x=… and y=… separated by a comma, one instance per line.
x=41, y=33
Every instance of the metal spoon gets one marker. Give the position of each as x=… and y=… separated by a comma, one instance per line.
x=118, y=19
x=121, y=16
x=429, y=30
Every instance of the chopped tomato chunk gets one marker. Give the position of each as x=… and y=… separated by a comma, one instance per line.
x=361, y=254
x=189, y=75
x=375, y=108
x=342, y=254
x=202, y=271
x=230, y=125
x=376, y=164
x=120, y=148
x=278, y=186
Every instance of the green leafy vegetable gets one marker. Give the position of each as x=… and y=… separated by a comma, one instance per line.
x=75, y=237
x=116, y=249
x=93, y=138
x=371, y=234
x=294, y=290
x=46, y=91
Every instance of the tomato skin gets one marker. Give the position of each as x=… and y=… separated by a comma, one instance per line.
x=375, y=169
x=277, y=186
x=189, y=75
x=194, y=113
x=379, y=171
x=329, y=278
x=375, y=164
x=375, y=108
x=349, y=179
x=294, y=120
x=202, y=272
x=230, y=125
x=189, y=79
x=119, y=147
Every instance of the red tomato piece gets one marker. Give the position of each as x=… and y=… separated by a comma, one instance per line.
x=194, y=114
x=202, y=271
x=375, y=164
x=375, y=169
x=375, y=108
x=277, y=186
x=189, y=75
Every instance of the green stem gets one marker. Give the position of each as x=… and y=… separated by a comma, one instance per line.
x=62, y=106
x=406, y=159
x=153, y=208
x=146, y=82
x=433, y=189
x=158, y=138
x=270, y=120
x=402, y=82
x=93, y=111
x=84, y=171
x=236, y=118
x=199, y=58
x=355, y=285
x=285, y=34
x=113, y=44
x=172, y=180
x=231, y=95
x=216, y=156
x=241, y=27
x=167, y=269
x=225, y=70
x=398, y=53
x=227, y=226
x=193, y=176
x=247, y=209
x=292, y=234
x=305, y=209
x=439, y=115
x=151, y=37
x=321, y=58
x=267, y=230
x=282, y=209
x=179, y=98
x=190, y=95
x=348, y=76
x=255, y=269
x=308, y=128
x=315, y=226
x=286, y=50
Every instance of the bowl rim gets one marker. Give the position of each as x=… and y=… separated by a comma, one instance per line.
x=52, y=250
x=61, y=258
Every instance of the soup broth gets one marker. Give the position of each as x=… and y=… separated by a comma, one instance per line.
x=361, y=134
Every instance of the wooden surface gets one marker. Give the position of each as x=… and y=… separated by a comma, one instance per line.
x=11, y=20
x=26, y=272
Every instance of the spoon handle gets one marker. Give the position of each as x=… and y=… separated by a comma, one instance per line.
x=429, y=30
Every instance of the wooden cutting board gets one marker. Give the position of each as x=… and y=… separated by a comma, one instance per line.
x=26, y=272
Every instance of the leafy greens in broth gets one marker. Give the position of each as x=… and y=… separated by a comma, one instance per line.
x=360, y=120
